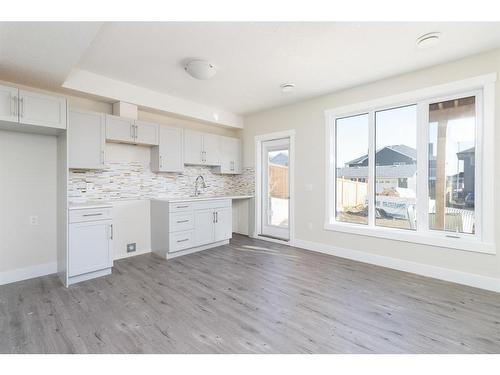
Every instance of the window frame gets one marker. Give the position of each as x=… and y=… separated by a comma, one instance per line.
x=483, y=240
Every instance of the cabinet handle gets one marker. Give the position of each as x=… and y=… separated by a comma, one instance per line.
x=216, y=217
x=21, y=110
x=136, y=132
x=16, y=104
x=99, y=214
x=213, y=217
x=182, y=221
x=182, y=206
x=102, y=156
x=183, y=240
x=112, y=231
x=132, y=131
x=161, y=161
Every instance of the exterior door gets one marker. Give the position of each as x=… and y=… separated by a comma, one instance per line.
x=275, y=189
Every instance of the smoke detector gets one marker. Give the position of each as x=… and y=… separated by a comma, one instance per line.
x=428, y=40
x=200, y=69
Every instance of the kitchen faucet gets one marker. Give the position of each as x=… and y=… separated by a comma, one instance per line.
x=203, y=185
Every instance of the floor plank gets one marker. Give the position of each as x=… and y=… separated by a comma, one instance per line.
x=249, y=296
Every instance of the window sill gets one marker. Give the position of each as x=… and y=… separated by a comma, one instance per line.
x=429, y=238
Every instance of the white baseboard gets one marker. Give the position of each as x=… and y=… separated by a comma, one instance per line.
x=19, y=274
x=446, y=274
x=133, y=254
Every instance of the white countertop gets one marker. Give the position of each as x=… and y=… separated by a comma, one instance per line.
x=90, y=204
x=203, y=198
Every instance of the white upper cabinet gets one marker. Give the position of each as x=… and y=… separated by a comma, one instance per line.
x=193, y=147
x=168, y=156
x=32, y=108
x=86, y=139
x=8, y=104
x=211, y=149
x=146, y=133
x=120, y=129
x=230, y=155
x=42, y=110
x=126, y=130
x=201, y=148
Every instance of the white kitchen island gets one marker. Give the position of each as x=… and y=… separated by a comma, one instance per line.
x=182, y=226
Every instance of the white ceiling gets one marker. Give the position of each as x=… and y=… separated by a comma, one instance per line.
x=43, y=54
x=253, y=59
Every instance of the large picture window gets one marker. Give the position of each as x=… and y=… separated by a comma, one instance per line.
x=411, y=169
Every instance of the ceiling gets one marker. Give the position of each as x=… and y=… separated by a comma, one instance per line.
x=253, y=59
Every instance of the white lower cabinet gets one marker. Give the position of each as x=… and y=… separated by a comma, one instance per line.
x=90, y=237
x=189, y=225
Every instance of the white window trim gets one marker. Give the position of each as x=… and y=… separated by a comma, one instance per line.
x=483, y=241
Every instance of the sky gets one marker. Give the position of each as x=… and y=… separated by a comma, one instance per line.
x=399, y=126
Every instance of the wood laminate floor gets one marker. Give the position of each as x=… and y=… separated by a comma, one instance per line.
x=248, y=297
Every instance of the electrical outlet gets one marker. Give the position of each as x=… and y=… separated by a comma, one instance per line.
x=34, y=220
x=131, y=247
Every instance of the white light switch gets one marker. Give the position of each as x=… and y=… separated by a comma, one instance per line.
x=34, y=220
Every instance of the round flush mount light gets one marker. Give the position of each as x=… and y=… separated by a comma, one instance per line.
x=287, y=88
x=428, y=40
x=200, y=69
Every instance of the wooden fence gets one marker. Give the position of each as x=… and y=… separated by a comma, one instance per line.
x=350, y=193
x=278, y=181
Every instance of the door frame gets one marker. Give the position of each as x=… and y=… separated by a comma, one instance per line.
x=258, y=184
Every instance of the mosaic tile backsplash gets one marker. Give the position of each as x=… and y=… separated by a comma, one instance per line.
x=134, y=180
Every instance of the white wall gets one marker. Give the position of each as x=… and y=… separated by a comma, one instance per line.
x=28, y=171
x=308, y=119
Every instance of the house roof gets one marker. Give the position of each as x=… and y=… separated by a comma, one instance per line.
x=383, y=171
x=400, y=149
x=468, y=151
x=280, y=159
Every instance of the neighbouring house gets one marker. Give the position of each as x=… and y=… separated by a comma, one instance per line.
x=396, y=168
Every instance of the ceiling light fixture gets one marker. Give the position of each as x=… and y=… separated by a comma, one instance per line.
x=200, y=69
x=287, y=88
x=428, y=40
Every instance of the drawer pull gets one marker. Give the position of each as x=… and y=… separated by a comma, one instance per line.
x=182, y=221
x=184, y=240
x=186, y=206
x=99, y=214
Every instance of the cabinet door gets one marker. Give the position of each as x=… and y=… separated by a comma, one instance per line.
x=223, y=224
x=235, y=151
x=42, y=110
x=86, y=139
x=89, y=247
x=119, y=129
x=170, y=150
x=211, y=149
x=146, y=133
x=193, y=147
x=8, y=103
x=204, y=226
